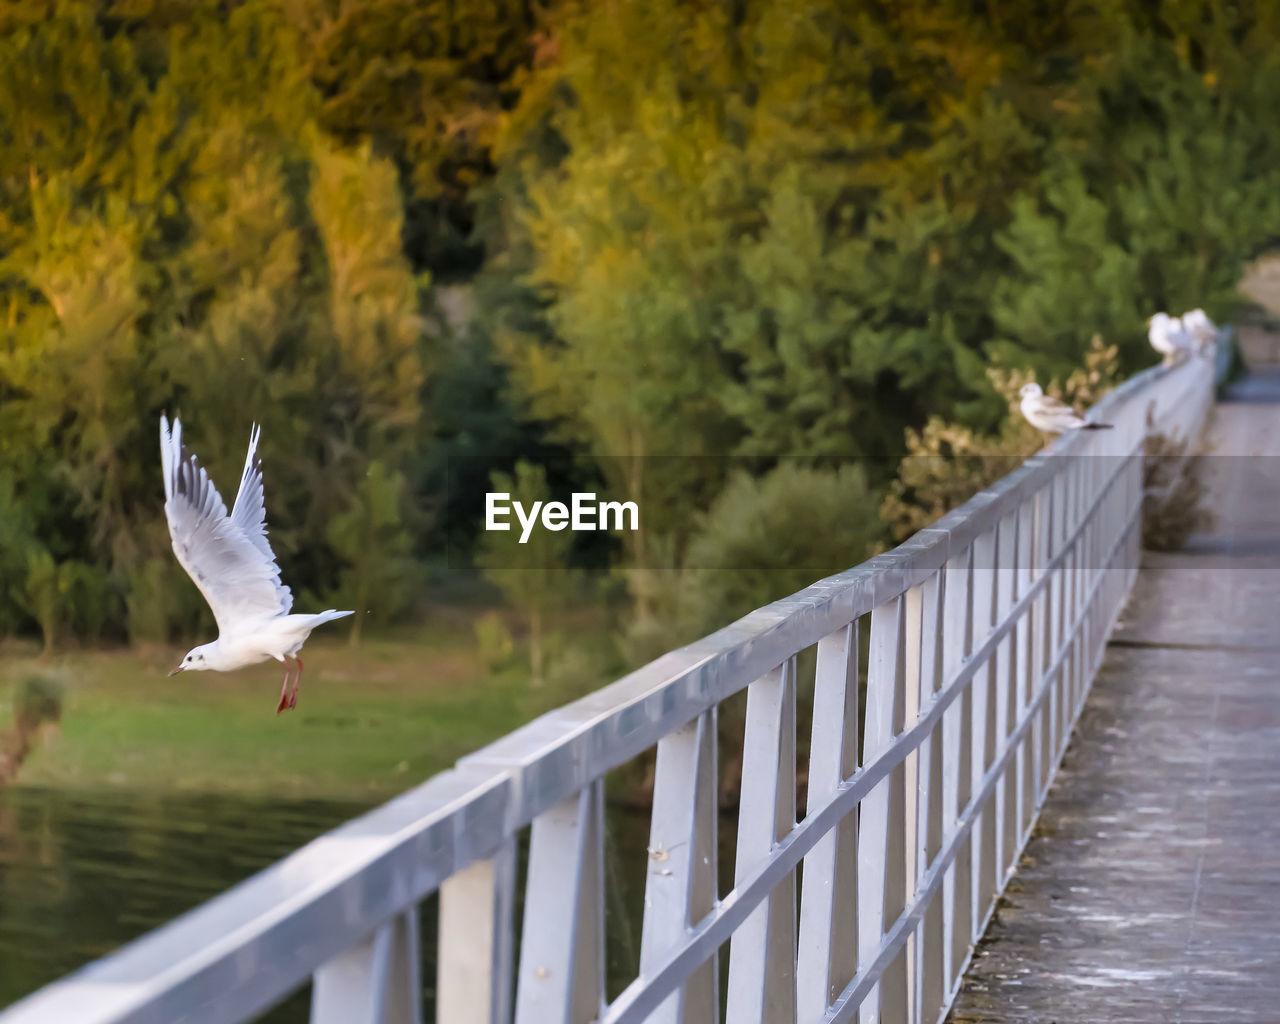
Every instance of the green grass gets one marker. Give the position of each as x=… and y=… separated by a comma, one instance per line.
x=370, y=721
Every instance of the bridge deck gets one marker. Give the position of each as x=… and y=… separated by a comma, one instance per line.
x=1151, y=890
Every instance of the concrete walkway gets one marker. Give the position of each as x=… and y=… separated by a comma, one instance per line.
x=1151, y=890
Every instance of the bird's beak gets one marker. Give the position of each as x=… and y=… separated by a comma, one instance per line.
x=175, y=671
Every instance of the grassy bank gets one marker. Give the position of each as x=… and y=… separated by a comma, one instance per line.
x=370, y=721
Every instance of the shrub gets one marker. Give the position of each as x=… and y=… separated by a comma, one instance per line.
x=764, y=538
x=1173, y=493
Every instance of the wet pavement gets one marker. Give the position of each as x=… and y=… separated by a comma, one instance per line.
x=1150, y=890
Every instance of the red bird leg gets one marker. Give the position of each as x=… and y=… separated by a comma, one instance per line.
x=284, y=700
x=293, y=697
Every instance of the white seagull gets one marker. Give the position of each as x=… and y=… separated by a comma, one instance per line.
x=1201, y=328
x=1169, y=337
x=230, y=560
x=1050, y=415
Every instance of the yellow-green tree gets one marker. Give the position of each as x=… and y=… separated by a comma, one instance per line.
x=178, y=234
x=534, y=575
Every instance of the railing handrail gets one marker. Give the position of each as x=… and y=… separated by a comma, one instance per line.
x=791, y=850
x=332, y=893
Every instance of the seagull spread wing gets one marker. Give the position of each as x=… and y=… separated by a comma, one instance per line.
x=249, y=512
x=227, y=556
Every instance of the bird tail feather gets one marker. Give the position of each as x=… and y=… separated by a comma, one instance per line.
x=1097, y=426
x=330, y=613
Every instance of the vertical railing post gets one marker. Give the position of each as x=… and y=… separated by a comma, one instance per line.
x=1079, y=577
x=1024, y=664
x=473, y=975
x=1039, y=642
x=828, y=950
x=956, y=636
x=931, y=985
x=915, y=784
x=561, y=977
x=375, y=982
x=1056, y=591
x=1134, y=548
x=881, y=883
x=680, y=887
x=762, y=952
x=1006, y=691
x=982, y=752
x=1101, y=536
x=1089, y=560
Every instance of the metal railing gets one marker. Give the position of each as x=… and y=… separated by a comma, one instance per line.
x=984, y=633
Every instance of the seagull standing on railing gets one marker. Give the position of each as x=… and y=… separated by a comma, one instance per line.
x=1201, y=328
x=1169, y=337
x=230, y=560
x=1050, y=415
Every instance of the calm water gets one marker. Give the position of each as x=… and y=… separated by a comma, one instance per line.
x=81, y=874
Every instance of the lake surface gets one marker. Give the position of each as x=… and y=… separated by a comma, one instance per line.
x=83, y=873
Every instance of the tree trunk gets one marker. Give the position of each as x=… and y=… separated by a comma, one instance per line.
x=641, y=575
x=15, y=745
x=357, y=620
x=535, y=645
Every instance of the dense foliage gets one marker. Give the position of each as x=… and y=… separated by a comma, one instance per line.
x=705, y=252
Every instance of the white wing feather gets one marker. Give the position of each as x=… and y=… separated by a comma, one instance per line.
x=1051, y=406
x=226, y=556
x=249, y=512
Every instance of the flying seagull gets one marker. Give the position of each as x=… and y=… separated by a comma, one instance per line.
x=1050, y=415
x=230, y=560
x=1169, y=337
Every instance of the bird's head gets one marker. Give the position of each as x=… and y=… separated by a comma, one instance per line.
x=1031, y=390
x=197, y=660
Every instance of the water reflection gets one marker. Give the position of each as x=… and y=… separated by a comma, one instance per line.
x=81, y=873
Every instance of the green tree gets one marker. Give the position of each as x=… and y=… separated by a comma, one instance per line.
x=176, y=231
x=46, y=595
x=1070, y=276
x=534, y=576
x=742, y=247
x=17, y=546
x=837, y=215
x=426, y=84
x=370, y=537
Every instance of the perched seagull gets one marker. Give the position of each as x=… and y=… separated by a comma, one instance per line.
x=1201, y=328
x=230, y=560
x=1050, y=415
x=1169, y=337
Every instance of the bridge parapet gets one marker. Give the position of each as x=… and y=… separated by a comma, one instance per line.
x=977, y=640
